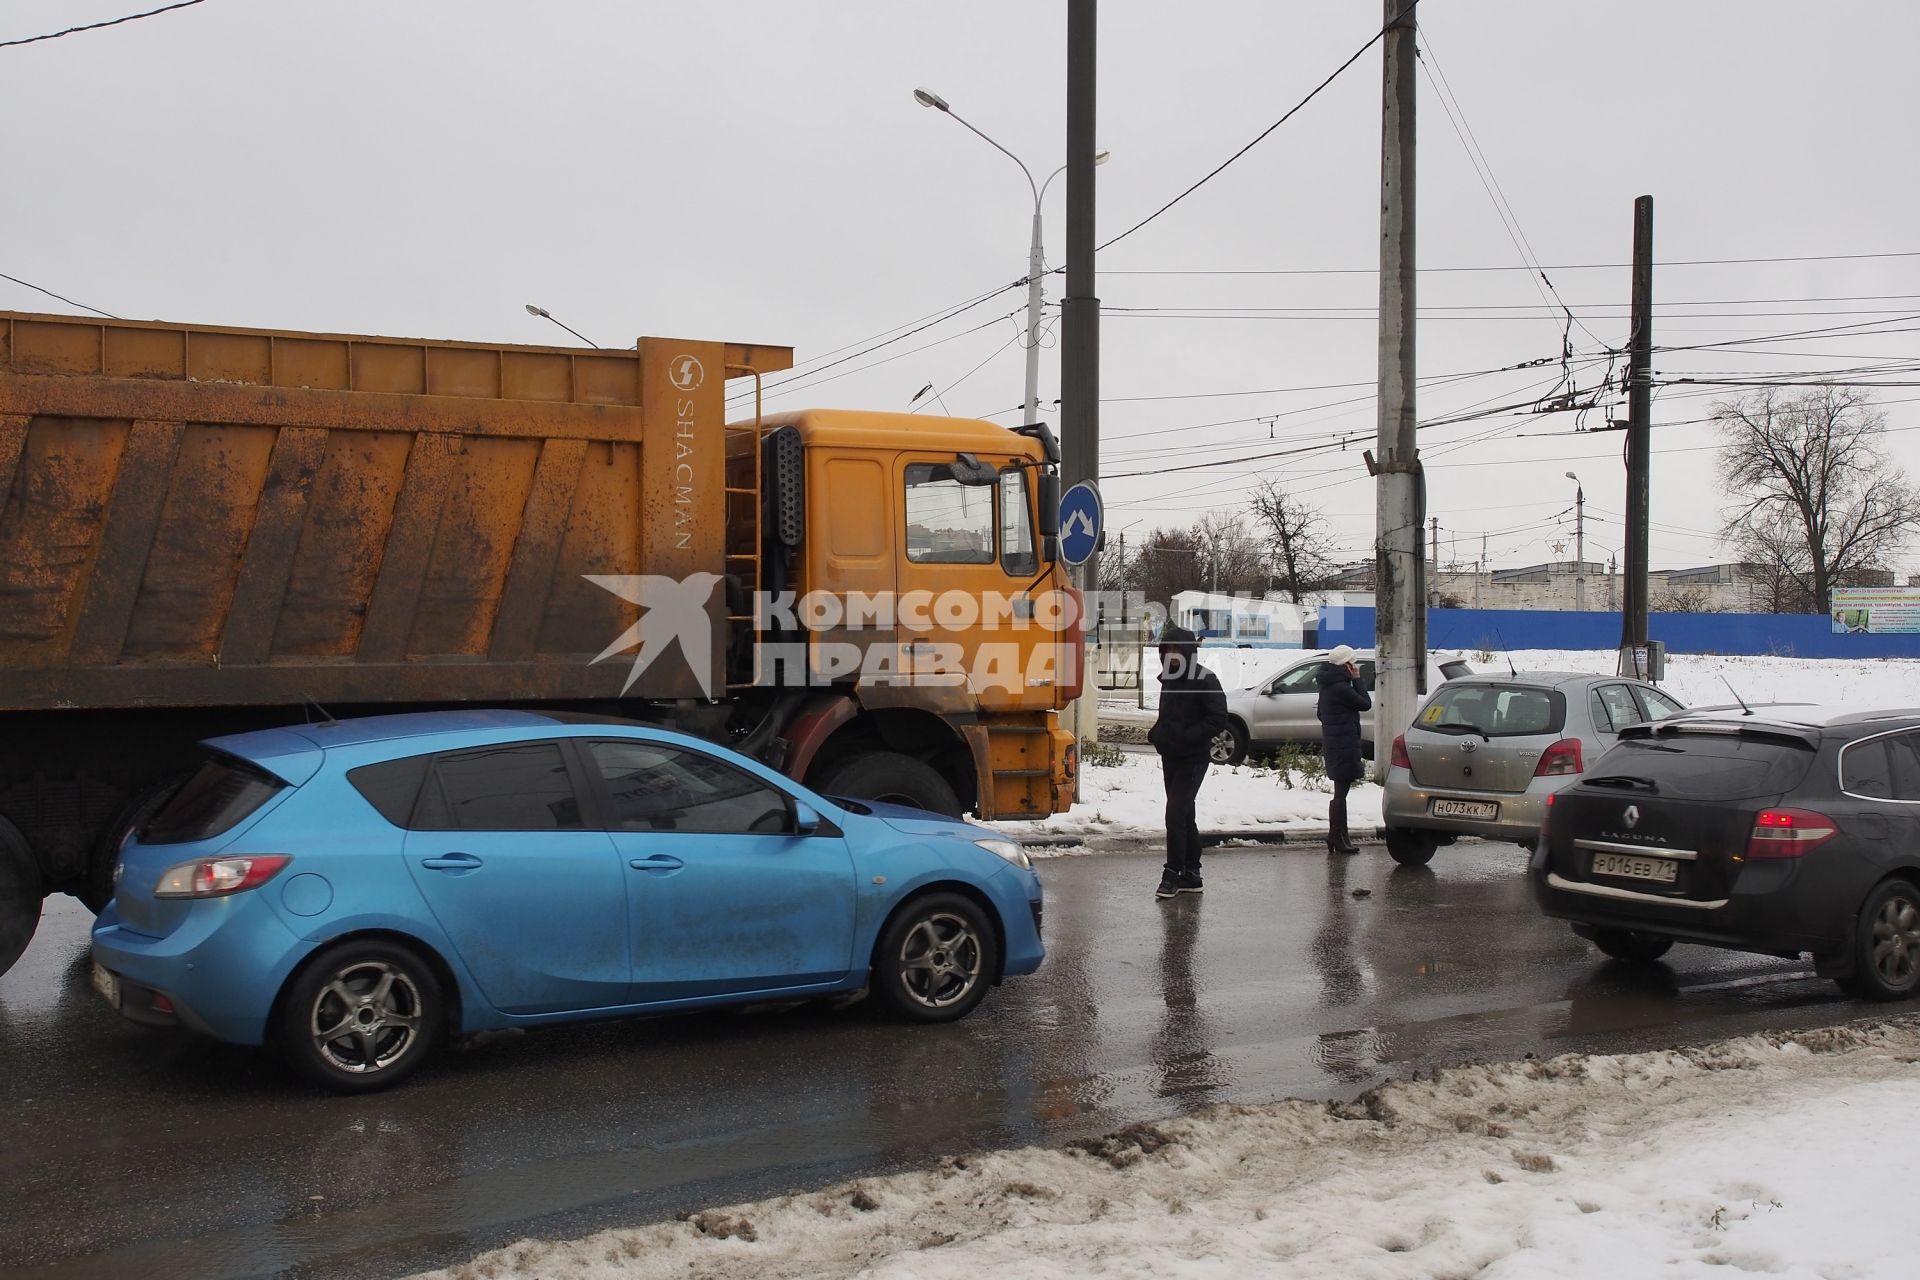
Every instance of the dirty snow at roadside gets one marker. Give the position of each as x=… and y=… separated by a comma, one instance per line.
x=1129, y=798
x=1780, y=1154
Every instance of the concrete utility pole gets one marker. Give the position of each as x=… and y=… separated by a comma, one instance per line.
x=1434, y=565
x=1400, y=567
x=1579, y=544
x=1080, y=308
x=1633, y=617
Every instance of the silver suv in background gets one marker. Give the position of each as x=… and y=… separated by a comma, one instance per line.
x=1286, y=707
x=1485, y=752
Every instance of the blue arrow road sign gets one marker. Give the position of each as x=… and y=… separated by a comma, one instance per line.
x=1080, y=521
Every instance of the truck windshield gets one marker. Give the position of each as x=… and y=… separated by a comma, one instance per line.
x=947, y=522
x=1017, y=555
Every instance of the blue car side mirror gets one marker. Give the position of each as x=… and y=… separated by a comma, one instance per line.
x=806, y=818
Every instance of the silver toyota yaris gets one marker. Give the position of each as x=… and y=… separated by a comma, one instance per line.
x=1485, y=752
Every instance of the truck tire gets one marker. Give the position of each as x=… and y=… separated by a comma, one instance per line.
x=143, y=804
x=891, y=778
x=19, y=895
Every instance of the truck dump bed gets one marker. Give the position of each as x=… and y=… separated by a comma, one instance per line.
x=200, y=516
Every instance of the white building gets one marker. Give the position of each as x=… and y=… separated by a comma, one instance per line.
x=1241, y=619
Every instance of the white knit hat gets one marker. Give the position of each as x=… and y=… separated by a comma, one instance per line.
x=1342, y=655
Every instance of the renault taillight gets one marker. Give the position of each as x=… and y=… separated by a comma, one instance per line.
x=1788, y=833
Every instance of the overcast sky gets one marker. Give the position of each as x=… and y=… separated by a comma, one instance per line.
x=759, y=171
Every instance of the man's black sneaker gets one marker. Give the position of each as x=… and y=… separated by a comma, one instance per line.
x=1169, y=885
x=1190, y=882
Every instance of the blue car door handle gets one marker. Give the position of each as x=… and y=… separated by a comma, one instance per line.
x=452, y=862
x=656, y=862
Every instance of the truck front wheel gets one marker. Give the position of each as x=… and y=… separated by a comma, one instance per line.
x=891, y=778
x=19, y=895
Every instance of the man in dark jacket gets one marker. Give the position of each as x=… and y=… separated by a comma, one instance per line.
x=1342, y=698
x=1193, y=712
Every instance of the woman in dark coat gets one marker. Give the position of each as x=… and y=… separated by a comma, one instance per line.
x=1342, y=699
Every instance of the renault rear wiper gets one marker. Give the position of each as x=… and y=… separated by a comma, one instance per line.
x=1627, y=780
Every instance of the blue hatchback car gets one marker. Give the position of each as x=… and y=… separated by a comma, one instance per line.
x=355, y=892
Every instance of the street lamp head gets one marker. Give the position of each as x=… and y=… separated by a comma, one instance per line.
x=1103, y=157
x=928, y=98
x=538, y=311
x=1573, y=477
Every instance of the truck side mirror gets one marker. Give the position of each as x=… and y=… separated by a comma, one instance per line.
x=1049, y=504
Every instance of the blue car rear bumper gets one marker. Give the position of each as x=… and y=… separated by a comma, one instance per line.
x=220, y=969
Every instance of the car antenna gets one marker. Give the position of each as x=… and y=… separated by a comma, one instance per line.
x=1505, y=652
x=1744, y=708
x=326, y=716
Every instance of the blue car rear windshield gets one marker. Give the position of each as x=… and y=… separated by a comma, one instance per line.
x=212, y=802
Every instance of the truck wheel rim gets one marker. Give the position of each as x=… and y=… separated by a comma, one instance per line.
x=940, y=960
x=1896, y=941
x=366, y=1018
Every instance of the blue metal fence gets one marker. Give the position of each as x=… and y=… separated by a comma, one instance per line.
x=1796, y=635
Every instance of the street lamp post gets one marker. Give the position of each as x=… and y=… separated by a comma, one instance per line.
x=1036, y=246
x=1579, y=544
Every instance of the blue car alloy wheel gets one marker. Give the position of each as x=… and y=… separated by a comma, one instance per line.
x=362, y=1015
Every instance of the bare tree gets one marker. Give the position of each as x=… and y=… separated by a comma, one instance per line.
x=1167, y=561
x=1814, y=494
x=1233, y=558
x=1298, y=537
x=1684, y=600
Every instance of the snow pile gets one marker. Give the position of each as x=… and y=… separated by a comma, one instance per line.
x=1130, y=798
x=1779, y=1154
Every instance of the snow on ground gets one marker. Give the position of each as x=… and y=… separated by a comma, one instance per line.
x=1129, y=798
x=1693, y=677
x=1784, y=1154
x=1697, y=679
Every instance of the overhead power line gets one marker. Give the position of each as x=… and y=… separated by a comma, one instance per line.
x=1263, y=134
x=1564, y=266
x=51, y=294
x=95, y=26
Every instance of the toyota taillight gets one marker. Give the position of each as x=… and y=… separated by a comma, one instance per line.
x=218, y=877
x=1399, y=759
x=1563, y=757
x=1788, y=833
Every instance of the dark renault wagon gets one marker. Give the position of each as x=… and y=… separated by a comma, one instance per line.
x=1782, y=831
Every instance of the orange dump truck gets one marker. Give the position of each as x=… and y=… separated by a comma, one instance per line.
x=208, y=530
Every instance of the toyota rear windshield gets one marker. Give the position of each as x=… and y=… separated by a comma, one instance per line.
x=1704, y=766
x=1494, y=711
x=212, y=802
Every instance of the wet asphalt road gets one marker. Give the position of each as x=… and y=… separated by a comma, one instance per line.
x=127, y=1152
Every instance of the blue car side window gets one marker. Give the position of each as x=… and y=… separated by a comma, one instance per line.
x=522, y=786
x=651, y=787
